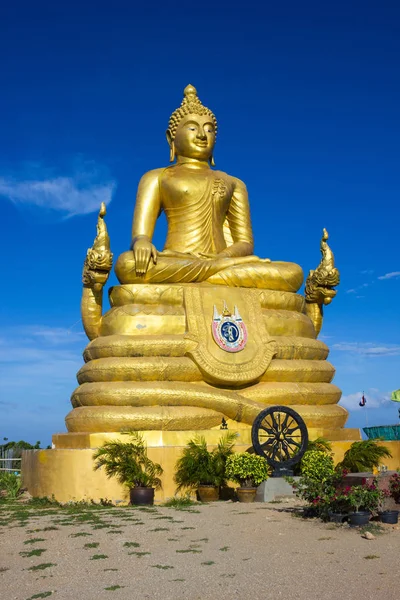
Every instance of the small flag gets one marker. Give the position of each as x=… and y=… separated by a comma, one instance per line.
x=363, y=401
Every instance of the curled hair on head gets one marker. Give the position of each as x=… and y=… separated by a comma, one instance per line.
x=191, y=104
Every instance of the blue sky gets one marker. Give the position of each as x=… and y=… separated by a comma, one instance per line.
x=307, y=98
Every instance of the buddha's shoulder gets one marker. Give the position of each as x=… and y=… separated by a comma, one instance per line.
x=152, y=175
x=229, y=178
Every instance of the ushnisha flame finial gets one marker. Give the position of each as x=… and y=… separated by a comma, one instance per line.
x=191, y=104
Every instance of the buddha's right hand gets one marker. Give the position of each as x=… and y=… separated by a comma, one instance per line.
x=143, y=251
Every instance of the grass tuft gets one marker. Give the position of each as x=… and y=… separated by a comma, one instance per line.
x=179, y=502
x=112, y=588
x=131, y=545
x=35, y=552
x=42, y=566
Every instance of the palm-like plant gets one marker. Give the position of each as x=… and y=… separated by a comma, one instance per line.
x=128, y=462
x=363, y=456
x=321, y=444
x=200, y=466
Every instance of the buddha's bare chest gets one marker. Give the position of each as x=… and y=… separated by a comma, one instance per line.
x=193, y=189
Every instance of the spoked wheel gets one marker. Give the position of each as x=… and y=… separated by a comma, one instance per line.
x=280, y=435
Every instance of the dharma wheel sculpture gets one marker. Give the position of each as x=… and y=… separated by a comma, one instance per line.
x=280, y=435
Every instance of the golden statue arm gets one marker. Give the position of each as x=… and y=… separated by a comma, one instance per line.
x=147, y=207
x=96, y=269
x=320, y=285
x=240, y=241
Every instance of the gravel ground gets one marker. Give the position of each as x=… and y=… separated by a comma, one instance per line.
x=222, y=550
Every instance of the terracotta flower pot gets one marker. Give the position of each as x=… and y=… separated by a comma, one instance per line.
x=142, y=495
x=246, y=494
x=208, y=493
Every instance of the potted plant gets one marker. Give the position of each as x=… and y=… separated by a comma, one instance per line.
x=249, y=471
x=202, y=469
x=319, y=485
x=129, y=463
x=367, y=497
x=392, y=516
x=394, y=487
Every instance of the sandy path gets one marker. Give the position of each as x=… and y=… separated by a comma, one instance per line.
x=221, y=550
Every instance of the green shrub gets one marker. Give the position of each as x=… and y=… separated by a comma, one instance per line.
x=363, y=456
x=364, y=497
x=248, y=470
x=200, y=466
x=317, y=465
x=10, y=483
x=128, y=462
x=320, y=443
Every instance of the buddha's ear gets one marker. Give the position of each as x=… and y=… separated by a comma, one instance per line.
x=171, y=144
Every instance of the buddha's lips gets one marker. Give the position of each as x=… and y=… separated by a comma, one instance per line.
x=201, y=144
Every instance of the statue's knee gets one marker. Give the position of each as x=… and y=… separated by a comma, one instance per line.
x=124, y=266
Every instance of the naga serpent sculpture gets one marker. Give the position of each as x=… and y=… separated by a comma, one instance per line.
x=320, y=284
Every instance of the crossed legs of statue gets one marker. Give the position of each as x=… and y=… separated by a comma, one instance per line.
x=243, y=271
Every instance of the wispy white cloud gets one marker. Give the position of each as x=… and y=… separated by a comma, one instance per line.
x=367, y=272
x=78, y=194
x=39, y=358
x=50, y=335
x=374, y=397
x=356, y=289
x=368, y=348
x=392, y=275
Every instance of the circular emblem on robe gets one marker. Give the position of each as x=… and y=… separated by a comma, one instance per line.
x=229, y=331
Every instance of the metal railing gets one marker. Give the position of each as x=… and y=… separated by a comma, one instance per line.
x=9, y=465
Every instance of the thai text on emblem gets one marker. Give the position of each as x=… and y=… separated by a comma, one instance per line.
x=229, y=331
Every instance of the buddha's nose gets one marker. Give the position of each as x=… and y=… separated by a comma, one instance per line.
x=202, y=135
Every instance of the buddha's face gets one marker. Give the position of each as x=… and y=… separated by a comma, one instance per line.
x=195, y=137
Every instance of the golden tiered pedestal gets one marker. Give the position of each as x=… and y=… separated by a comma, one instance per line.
x=156, y=368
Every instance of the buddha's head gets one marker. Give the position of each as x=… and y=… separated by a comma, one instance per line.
x=192, y=129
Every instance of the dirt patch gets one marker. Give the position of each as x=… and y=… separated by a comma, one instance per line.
x=222, y=550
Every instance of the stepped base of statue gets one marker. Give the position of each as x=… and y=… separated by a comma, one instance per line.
x=158, y=363
x=157, y=367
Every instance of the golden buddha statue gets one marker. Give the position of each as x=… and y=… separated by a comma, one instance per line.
x=202, y=330
x=209, y=236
